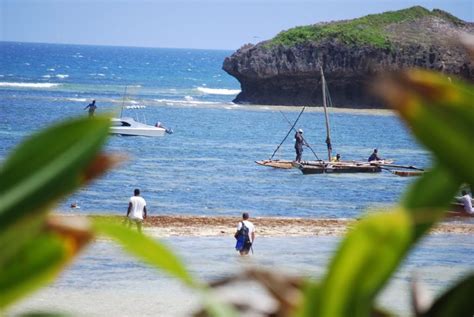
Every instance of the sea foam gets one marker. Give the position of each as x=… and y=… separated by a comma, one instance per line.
x=215, y=91
x=28, y=85
x=77, y=99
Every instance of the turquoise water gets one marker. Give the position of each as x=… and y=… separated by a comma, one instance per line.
x=105, y=281
x=207, y=166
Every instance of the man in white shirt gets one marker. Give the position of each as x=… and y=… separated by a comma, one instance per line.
x=466, y=200
x=245, y=236
x=136, y=209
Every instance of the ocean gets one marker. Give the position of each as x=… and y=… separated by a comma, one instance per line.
x=207, y=166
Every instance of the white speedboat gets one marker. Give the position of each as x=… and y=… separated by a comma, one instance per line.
x=129, y=127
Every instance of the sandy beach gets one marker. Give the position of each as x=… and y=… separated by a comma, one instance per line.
x=187, y=226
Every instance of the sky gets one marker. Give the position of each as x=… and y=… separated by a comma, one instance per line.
x=201, y=24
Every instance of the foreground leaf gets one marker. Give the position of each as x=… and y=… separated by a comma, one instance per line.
x=429, y=197
x=48, y=166
x=39, y=260
x=147, y=249
x=440, y=112
x=365, y=260
x=455, y=302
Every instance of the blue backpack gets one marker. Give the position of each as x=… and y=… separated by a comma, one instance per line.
x=242, y=237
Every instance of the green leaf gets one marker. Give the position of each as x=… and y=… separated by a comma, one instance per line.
x=429, y=197
x=47, y=166
x=440, y=112
x=147, y=249
x=36, y=263
x=43, y=314
x=366, y=258
x=311, y=298
x=42, y=256
x=455, y=302
x=18, y=234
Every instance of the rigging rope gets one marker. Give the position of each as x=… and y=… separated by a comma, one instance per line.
x=292, y=127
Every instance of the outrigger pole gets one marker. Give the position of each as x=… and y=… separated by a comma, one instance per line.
x=292, y=127
x=307, y=144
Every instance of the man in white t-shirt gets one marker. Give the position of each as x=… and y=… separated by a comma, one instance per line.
x=244, y=243
x=466, y=200
x=137, y=209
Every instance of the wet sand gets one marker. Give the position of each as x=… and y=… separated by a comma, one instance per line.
x=168, y=226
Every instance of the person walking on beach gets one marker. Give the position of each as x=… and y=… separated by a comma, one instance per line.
x=245, y=235
x=299, y=142
x=92, y=108
x=136, y=209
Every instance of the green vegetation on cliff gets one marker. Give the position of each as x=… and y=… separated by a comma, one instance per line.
x=367, y=30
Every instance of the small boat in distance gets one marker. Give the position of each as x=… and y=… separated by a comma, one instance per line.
x=127, y=126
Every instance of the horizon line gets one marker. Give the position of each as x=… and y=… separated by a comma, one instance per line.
x=117, y=45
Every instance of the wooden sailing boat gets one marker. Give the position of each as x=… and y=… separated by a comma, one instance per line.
x=321, y=166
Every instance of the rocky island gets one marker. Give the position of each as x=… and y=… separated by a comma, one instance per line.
x=286, y=69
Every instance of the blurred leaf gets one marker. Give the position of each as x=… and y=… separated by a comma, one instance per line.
x=429, y=197
x=366, y=258
x=147, y=249
x=440, y=112
x=40, y=259
x=310, y=301
x=216, y=308
x=434, y=189
x=43, y=314
x=13, y=237
x=47, y=166
x=455, y=302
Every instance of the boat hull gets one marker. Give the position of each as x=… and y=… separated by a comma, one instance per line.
x=282, y=164
x=337, y=168
x=128, y=127
x=125, y=131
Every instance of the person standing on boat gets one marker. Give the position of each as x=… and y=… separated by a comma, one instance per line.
x=136, y=209
x=245, y=235
x=92, y=108
x=374, y=156
x=299, y=142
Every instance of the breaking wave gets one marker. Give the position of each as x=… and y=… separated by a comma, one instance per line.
x=215, y=91
x=28, y=85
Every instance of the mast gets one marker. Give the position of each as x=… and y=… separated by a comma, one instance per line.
x=123, y=101
x=328, y=134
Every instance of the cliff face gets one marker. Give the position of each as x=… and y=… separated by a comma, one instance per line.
x=286, y=70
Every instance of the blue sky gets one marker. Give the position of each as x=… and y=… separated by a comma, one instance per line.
x=213, y=24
